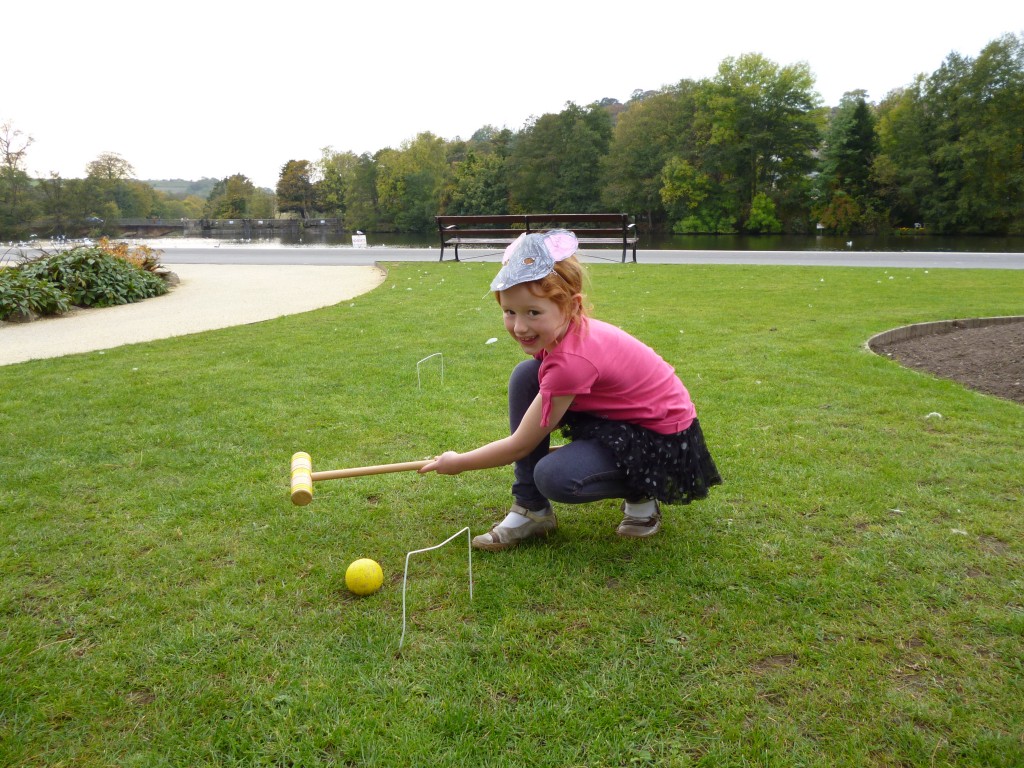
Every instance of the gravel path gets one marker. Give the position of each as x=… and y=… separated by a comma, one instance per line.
x=210, y=296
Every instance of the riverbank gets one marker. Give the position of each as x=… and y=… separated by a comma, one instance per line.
x=649, y=242
x=274, y=252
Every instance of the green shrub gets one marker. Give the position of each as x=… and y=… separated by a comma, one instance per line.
x=762, y=215
x=21, y=293
x=707, y=223
x=93, y=278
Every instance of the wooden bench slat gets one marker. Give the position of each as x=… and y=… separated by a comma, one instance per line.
x=579, y=217
x=480, y=240
x=503, y=219
x=580, y=231
x=482, y=233
x=505, y=228
x=506, y=240
x=537, y=217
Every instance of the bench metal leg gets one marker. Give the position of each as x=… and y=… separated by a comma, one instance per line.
x=456, y=253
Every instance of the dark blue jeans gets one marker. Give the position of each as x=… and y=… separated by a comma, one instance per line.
x=579, y=472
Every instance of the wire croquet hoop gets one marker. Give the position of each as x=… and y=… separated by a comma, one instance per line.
x=405, y=577
x=419, y=383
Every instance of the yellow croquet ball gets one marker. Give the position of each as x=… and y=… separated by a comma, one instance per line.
x=364, y=576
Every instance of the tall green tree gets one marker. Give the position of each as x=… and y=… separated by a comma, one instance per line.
x=135, y=199
x=330, y=184
x=295, y=188
x=902, y=169
x=952, y=145
x=231, y=198
x=262, y=204
x=114, y=192
x=17, y=204
x=490, y=140
x=847, y=196
x=479, y=185
x=760, y=125
x=362, y=210
x=555, y=163
x=411, y=182
x=110, y=167
x=695, y=202
x=56, y=203
x=851, y=144
x=652, y=129
x=979, y=146
x=347, y=188
x=479, y=177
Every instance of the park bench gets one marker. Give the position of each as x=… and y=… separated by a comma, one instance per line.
x=592, y=229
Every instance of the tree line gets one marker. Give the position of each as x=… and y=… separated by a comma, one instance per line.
x=751, y=149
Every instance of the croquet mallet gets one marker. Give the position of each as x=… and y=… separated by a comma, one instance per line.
x=303, y=475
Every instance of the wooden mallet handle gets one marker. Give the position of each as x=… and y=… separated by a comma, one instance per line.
x=377, y=469
x=303, y=475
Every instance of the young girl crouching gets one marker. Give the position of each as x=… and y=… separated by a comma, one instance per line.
x=633, y=428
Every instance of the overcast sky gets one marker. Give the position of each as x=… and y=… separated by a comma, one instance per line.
x=191, y=89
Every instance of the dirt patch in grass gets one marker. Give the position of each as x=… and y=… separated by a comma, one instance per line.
x=778, y=661
x=988, y=359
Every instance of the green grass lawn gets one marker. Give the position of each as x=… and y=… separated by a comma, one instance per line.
x=851, y=596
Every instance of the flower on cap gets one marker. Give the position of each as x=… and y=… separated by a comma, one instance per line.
x=532, y=256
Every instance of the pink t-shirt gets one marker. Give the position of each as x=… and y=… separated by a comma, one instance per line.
x=614, y=376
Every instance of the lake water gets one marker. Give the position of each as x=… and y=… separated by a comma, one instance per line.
x=925, y=243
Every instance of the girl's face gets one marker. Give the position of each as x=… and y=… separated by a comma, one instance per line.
x=535, y=322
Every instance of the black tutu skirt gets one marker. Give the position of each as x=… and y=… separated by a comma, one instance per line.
x=675, y=469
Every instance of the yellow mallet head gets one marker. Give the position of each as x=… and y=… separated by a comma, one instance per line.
x=302, y=478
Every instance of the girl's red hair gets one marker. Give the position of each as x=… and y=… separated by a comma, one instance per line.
x=561, y=287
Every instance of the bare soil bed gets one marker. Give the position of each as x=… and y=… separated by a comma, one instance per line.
x=988, y=359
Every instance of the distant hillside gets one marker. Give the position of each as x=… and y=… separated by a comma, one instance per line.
x=183, y=188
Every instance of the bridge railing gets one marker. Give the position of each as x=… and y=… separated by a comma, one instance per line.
x=242, y=222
